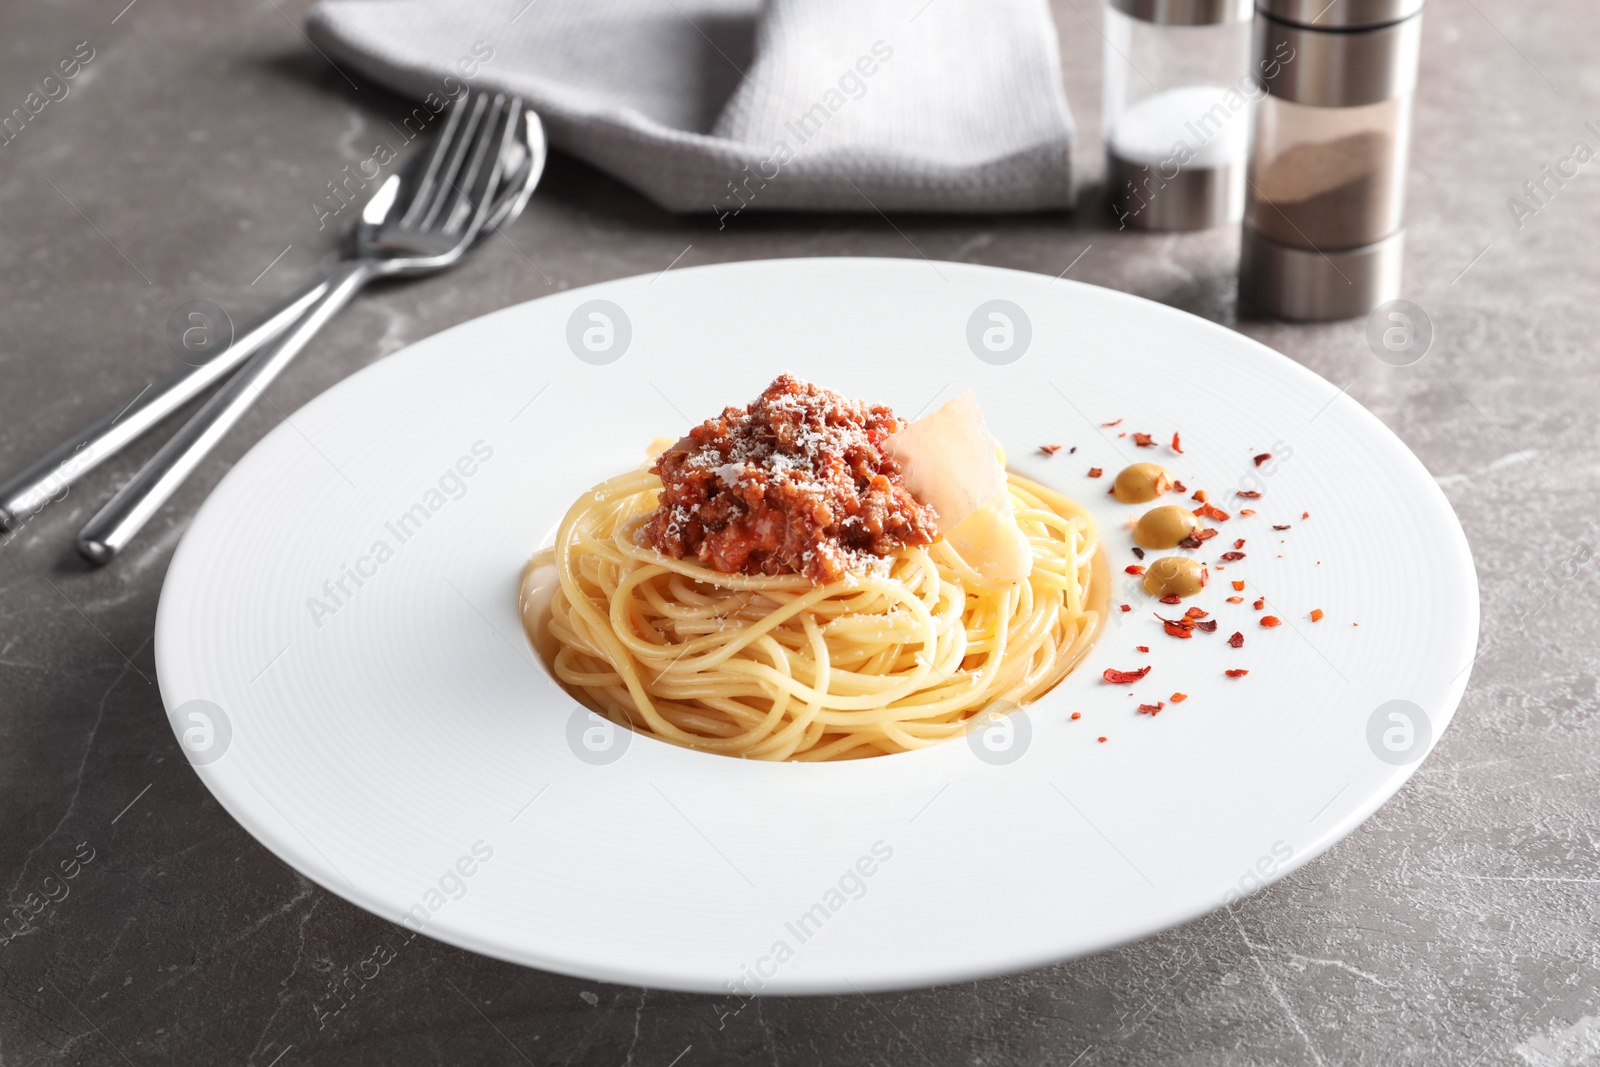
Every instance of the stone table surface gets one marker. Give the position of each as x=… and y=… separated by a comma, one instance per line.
x=1456, y=927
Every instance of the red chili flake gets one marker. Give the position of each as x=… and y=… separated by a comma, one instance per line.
x=1231, y=556
x=1179, y=487
x=1195, y=613
x=1102, y=740
x=1211, y=511
x=1141, y=648
x=1205, y=535
x=1115, y=422
x=1236, y=673
x=1208, y=626
x=1316, y=614
x=1127, y=607
x=1269, y=621
x=1285, y=526
x=1205, y=577
x=1152, y=709
x=1238, y=587
x=1116, y=677
x=1138, y=553
x=1077, y=715
x=1236, y=600
x=1261, y=603
x=1248, y=494
x=1262, y=458
x=1072, y=450
x=1190, y=542
x=1305, y=514
x=1178, y=698
x=1200, y=495
x=1237, y=640
x=1134, y=568
x=1176, y=447
x=1178, y=627
x=1143, y=440
x=1246, y=511
x=1095, y=472
x=1172, y=598
x=1239, y=543
x=1049, y=450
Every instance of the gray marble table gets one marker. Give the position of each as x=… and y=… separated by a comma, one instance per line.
x=1456, y=927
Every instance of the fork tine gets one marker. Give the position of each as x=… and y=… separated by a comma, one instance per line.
x=446, y=188
x=487, y=133
x=480, y=185
x=437, y=154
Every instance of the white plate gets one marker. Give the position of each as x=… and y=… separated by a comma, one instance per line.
x=372, y=742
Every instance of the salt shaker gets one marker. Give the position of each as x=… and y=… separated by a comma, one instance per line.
x=1178, y=97
x=1324, y=220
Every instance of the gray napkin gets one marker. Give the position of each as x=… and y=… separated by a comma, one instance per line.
x=732, y=105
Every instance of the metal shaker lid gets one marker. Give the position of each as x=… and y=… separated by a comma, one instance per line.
x=1187, y=12
x=1340, y=14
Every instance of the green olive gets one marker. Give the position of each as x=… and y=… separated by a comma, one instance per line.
x=1175, y=576
x=1165, y=527
x=1141, y=483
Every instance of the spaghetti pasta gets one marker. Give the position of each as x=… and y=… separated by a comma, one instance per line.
x=898, y=654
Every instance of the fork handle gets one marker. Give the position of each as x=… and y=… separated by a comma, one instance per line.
x=126, y=513
x=24, y=495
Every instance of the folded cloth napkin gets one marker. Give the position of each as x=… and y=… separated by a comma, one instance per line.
x=727, y=105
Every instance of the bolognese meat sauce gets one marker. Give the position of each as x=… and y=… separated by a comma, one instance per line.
x=793, y=484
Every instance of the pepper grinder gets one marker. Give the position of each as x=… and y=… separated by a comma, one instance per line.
x=1177, y=103
x=1324, y=221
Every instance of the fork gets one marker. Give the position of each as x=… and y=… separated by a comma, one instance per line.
x=418, y=222
x=46, y=480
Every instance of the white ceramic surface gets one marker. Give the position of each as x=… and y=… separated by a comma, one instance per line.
x=382, y=735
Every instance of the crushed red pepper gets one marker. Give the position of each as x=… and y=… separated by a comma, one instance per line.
x=1179, y=487
x=1262, y=458
x=1095, y=472
x=1269, y=621
x=1114, y=422
x=1134, y=568
x=1200, y=495
x=1196, y=613
x=1127, y=607
x=1138, y=553
x=1316, y=614
x=1211, y=511
x=1181, y=628
x=1141, y=648
x=1049, y=450
x=1260, y=603
x=1208, y=626
x=1236, y=600
x=1152, y=709
x=1143, y=440
x=1236, y=673
x=1237, y=640
x=1116, y=677
x=1231, y=556
x=1172, y=598
x=1176, y=447
x=1246, y=511
x=1178, y=698
x=1238, y=587
x=1077, y=715
x=1248, y=494
x=1239, y=543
